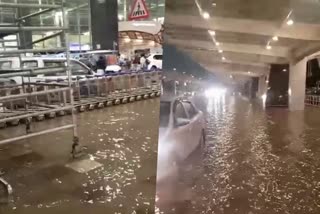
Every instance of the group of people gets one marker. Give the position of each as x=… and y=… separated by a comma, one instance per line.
x=140, y=62
x=137, y=63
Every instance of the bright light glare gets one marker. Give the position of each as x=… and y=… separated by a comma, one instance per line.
x=205, y=15
x=215, y=92
x=264, y=97
x=211, y=32
x=290, y=22
x=269, y=47
x=275, y=38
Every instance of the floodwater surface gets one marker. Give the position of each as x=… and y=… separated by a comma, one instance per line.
x=117, y=174
x=256, y=161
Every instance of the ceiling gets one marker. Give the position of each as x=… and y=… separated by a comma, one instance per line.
x=243, y=37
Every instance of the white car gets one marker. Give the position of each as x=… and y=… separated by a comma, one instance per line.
x=155, y=62
x=181, y=132
x=78, y=69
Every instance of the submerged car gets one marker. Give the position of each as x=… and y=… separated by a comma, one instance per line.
x=182, y=131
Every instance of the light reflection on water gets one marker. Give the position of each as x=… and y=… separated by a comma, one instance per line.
x=256, y=161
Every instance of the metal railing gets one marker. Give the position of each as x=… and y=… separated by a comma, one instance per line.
x=312, y=100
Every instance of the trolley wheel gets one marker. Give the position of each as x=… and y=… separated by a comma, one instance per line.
x=139, y=97
x=14, y=122
x=100, y=105
x=61, y=113
x=158, y=94
x=51, y=115
x=117, y=102
x=109, y=103
x=3, y=125
x=91, y=106
x=82, y=108
x=132, y=99
x=152, y=95
x=146, y=96
x=124, y=100
x=39, y=117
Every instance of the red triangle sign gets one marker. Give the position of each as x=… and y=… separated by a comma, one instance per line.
x=139, y=10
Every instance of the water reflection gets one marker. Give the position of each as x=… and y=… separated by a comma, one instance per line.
x=256, y=161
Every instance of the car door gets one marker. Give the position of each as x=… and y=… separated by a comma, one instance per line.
x=158, y=61
x=196, y=125
x=181, y=134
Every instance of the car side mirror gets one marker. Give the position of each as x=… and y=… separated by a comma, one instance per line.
x=182, y=122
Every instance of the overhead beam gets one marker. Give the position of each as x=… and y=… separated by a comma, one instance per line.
x=234, y=57
x=266, y=28
x=276, y=51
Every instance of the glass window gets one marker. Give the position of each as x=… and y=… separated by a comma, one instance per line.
x=30, y=64
x=190, y=109
x=54, y=63
x=78, y=69
x=164, y=114
x=5, y=65
x=180, y=112
x=157, y=57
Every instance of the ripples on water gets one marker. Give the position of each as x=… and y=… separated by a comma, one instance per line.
x=257, y=162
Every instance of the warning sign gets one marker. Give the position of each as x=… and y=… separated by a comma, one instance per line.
x=139, y=10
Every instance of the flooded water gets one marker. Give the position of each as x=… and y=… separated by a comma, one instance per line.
x=116, y=176
x=256, y=161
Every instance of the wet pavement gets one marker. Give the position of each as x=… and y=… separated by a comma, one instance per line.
x=116, y=176
x=256, y=161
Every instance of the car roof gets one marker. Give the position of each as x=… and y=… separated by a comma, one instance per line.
x=167, y=98
x=36, y=58
x=100, y=51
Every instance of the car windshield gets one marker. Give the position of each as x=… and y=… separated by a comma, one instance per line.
x=165, y=114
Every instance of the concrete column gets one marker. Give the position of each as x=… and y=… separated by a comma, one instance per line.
x=297, y=85
x=104, y=24
x=263, y=86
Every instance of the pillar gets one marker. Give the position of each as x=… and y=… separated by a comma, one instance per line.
x=297, y=85
x=25, y=37
x=263, y=86
x=104, y=24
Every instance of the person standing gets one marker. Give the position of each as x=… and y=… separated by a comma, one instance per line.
x=143, y=61
x=101, y=65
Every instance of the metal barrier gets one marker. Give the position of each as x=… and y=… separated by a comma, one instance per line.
x=312, y=100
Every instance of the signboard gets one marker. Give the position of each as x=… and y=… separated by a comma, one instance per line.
x=139, y=10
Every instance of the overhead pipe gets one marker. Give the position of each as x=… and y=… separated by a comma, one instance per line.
x=34, y=14
x=17, y=5
x=22, y=51
x=29, y=28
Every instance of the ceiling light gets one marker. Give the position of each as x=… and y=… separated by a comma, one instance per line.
x=223, y=58
x=86, y=33
x=139, y=40
x=220, y=51
x=214, y=4
x=249, y=72
x=269, y=47
x=205, y=15
x=217, y=43
x=230, y=76
x=127, y=40
x=284, y=70
x=290, y=22
x=120, y=17
x=211, y=32
x=275, y=38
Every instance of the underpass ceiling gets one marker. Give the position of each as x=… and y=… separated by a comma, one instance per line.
x=242, y=31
